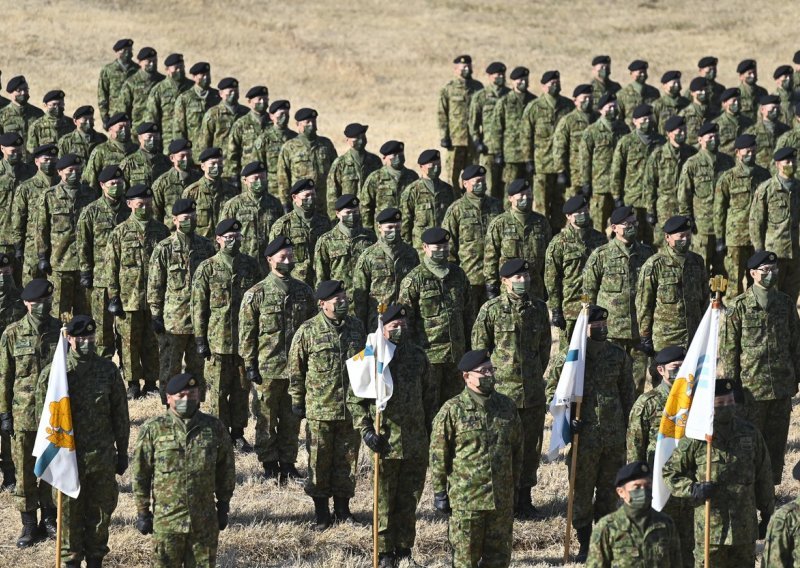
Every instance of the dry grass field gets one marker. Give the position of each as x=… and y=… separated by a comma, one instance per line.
x=381, y=64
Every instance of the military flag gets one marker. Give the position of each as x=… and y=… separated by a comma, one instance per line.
x=368, y=369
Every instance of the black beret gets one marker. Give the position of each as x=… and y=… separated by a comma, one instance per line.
x=744, y=141
x=548, y=76
x=85, y=110
x=582, y=89
x=116, y=118
x=110, y=172
x=519, y=73
x=329, y=288
x=708, y=128
x=674, y=122
x=761, y=257
x=173, y=59
x=637, y=65
x=346, y=200
x=707, y=61
x=56, y=95
x=280, y=104
x=45, y=150
x=670, y=76
x=495, y=67
x=11, y=139
x=769, y=100
x=81, y=326
x=305, y=114
x=782, y=70
x=601, y=60
x=514, y=266
x=597, y=313
x=471, y=360
x=277, y=244
x=228, y=83
x=210, y=154
x=182, y=206
x=784, y=154
x=473, y=171
x=37, y=289
x=435, y=236
x=730, y=93
x=746, y=65
x=181, y=382
x=146, y=53
x=354, y=130
x=122, y=44
x=5, y=259
x=642, y=110
x=391, y=147
x=15, y=83
x=199, y=67
x=698, y=84
x=517, y=186
x=620, y=214
x=302, y=185
x=148, y=128
x=670, y=354
x=257, y=91
x=179, y=145
x=254, y=168
x=428, y=156
x=677, y=224
x=605, y=99
x=393, y=312
x=227, y=226
x=139, y=191
x=632, y=472
x=389, y=215
x=723, y=387
x=463, y=59
x=796, y=58
x=573, y=204
x=68, y=160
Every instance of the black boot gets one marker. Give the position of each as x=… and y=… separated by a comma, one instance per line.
x=150, y=388
x=289, y=473
x=524, y=508
x=239, y=443
x=271, y=470
x=341, y=511
x=134, y=391
x=386, y=560
x=9, y=480
x=322, y=513
x=404, y=559
x=584, y=535
x=48, y=525
x=28, y=535
x=94, y=563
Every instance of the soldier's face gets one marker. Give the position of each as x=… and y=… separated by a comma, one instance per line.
x=125, y=54
x=84, y=123
x=120, y=130
x=202, y=80
x=211, y=166
x=11, y=152
x=672, y=87
x=765, y=271
x=440, y=249
x=521, y=84
x=749, y=77
x=746, y=155
x=724, y=400
x=178, y=219
x=65, y=172
x=639, y=76
x=518, y=281
x=472, y=379
x=358, y=143
x=784, y=82
x=348, y=212
x=669, y=372
x=601, y=70
x=498, y=79
x=259, y=103
x=709, y=72
x=329, y=306
x=176, y=71
x=280, y=118
x=298, y=197
x=21, y=94
x=140, y=203
x=148, y=65
x=187, y=394
x=390, y=229
x=675, y=237
x=619, y=228
x=178, y=157
x=769, y=112
x=624, y=492
x=283, y=256
x=677, y=136
x=584, y=102
x=400, y=323
x=463, y=69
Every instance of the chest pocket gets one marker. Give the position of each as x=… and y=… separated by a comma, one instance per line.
x=703, y=185
x=271, y=319
x=739, y=467
x=324, y=358
x=740, y=196
x=778, y=206
x=424, y=214
x=176, y=277
x=300, y=240
x=168, y=456
x=220, y=291
x=430, y=303
x=613, y=278
x=669, y=288
x=25, y=358
x=131, y=252
x=458, y=106
x=61, y=220
x=302, y=165
x=753, y=333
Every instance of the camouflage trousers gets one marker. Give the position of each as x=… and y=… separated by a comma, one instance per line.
x=138, y=348
x=532, y=418
x=789, y=275
x=105, y=336
x=548, y=199
x=640, y=362
x=599, y=459
x=601, y=205
x=772, y=418
x=277, y=428
x=69, y=297
x=189, y=550
x=481, y=538
x=30, y=494
x=445, y=382
x=332, y=458
x=681, y=512
x=85, y=520
x=176, y=348
x=477, y=295
x=6, y=460
x=458, y=158
x=721, y=556
x=226, y=388
x=645, y=233
x=736, y=267
x=399, y=492
x=512, y=171
x=706, y=246
x=495, y=186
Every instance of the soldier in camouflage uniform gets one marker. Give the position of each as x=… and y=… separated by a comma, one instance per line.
x=182, y=460
x=350, y=170
x=476, y=457
x=169, y=287
x=20, y=114
x=256, y=209
x=565, y=260
x=741, y=484
x=337, y=251
x=733, y=195
x=637, y=92
x=381, y=268
x=219, y=120
x=268, y=146
x=112, y=151
x=786, y=93
x=601, y=77
x=216, y=295
x=95, y=224
x=241, y=146
x=48, y=129
x=160, y=106
x=440, y=314
x=318, y=389
x=210, y=191
x=760, y=345
x=127, y=258
x=774, y=218
x=508, y=125
x=596, y=157
x=610, y=278
x=26, y=346
x=453, y=118
x=148, y=162
x=515, y=329
x=101, y=430
x=791, y=139
x=401, y=442
x=749, y=91
x=671, y=102
x=671, y=293
x=303, y=225
x=113, y=75
x=698, y=112
x=616, y=543
x=132, y=99
x=767, y=129
x=483, y=128
x=566, y=140
x=83, y=138
x=169, y=186
x=11, y=310
x=707, y=68
x=732, y=123
x=13, y=172
x=57, y=235
x=304, y=156
x=780, y=544
x=385, y=187
x=425, y=201
x=191, y=105
x=270, y=314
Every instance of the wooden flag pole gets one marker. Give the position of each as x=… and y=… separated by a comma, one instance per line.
x=377, y=464
x=58, y=532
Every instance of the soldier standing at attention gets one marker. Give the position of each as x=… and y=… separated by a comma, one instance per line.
x=169, y=186
x=337, y=251
x=671, y=102
x=781, y=543
x=20, y=114
x=268, y=146
x=483, y=127
x=218, y=121
x=566, y=140
x=191, y=105
x=707, y=69
x=350, y=170
x=509, y=127
x=732, y=123
x=48, y=129
x=241, y=146
x=11, y=310
x=148, y=162
x=601, y=77
x=749, y=90
x=425, y=201
x=112, y=151
x=698, y=112
x=160, y=106
x=112, y=76
x=384, y=188
x=132, y=99
x=84, y=138
x=209, y=192
x=637, y=92
x=767, y=129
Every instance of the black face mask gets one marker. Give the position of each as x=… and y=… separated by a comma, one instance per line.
x=598, y=333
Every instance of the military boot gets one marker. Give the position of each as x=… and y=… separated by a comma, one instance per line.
x=239, y=442
x=28, y=535
x=134, y=391
x=94, y=563
x=584, y=535
x=48, y=524
x=524, y=508
x=271, y=470
x=150, y=388
x=322, y=513
x=289, y=473
x=404, y=559
x=341, y=511
x=386, y=560
x=9, y=480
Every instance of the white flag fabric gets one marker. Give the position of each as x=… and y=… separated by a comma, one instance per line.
x=369, y=371
x=690, y=405
x=54, y=449
x=570, y=387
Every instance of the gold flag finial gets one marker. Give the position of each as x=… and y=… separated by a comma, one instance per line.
x=718, y=283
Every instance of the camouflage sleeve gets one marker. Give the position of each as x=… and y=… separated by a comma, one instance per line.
x=284, y=177
x=206, y=135
x=585, y=151
x=764, y=487
x=638, y=434
x=618, y=167
x=517, y=448
x=407, y=214
x=124, y=102
x=367, y=203
x=334, y=187
x=646, y=299
x=650, y=189
x=142, y=467
x=159, y=205
x=441, y=448
x=157, y=279
x=491, y=254
x=450, y=224
x=561, y=146
x=152, y=110
x=779, y=544
x=297, y=367
x=179, y=129
x=120, y=421
x=424, y=371
x=675, y=553
x=555, y=375
x=225, y=478
x=321, y=261
x=475, y=118
x=625, y=385
x=601, y=547
x=553, y=275
x=443, y=114
x=201, y=303
x=33, y=137
x=102, y=95
x=19, y=217
x=592, y=275
x=499, y=123
x=8, y=372
x=680, y=471
x=409, y=297
x=92, y=169
x=721, y=202
x=361, y=281
x=545, y=338
x=528, y=125
x=40, y=394
x=686, y=191
x=233, y=152
x=43, y=229
x=730, y=342
x=112, y=257
x=483, y=331
x=758, y=217
x=468, y=311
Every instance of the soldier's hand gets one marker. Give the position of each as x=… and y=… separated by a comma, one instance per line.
x=202, y=347
x=480, y=147
x=530, y=169
x=7, y=423
x=618, y=202
x=576, y=426
x=646, y=346
x=299, y=410
x=157, y=322
x=44, y=265
x=703, y=490
x=558, y=320
x=499, y=160
x=586, y=190
x=376, y=442
x=87, y=279
x=144, y=522
x=115, y=307
x=19, y=251
x=492, y=291
x=562, y=179
x=762, y=526
x=252, y=375
x=651, y=219
x=441, y=502
x=222, y=514
x=721, y=246
x=122, y=463
x=446, y=143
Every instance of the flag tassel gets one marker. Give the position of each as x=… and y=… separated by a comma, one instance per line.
x=572, y=471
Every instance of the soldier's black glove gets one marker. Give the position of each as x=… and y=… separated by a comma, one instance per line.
x=299, y=410
x=721, y=246
x=576, y=426
x=202, y=347
x=693, y=224
x=87, y=279
x=441, y=502
x=762, y=526
x=586, y=190
x=19, y=251
x=558, y=320
x=703, y=490
x=480, y=147
x=651, y=219
x=157, y=322
x=562, y=179
x=499, y=160
x=492, y=291
x=222, y=514
x=530, y=169
x=376, y=442
x=122, y=463
x=115, y=306
x=446, y=143
x=646, y=346
x=144, y=522
x=618, y=202
x=252, y=375
x=44, y=265
x=7, y=423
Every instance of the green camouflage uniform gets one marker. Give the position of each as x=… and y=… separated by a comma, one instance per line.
x=731, y=126
x=318, y=382
x=780, y=548
x=483, y=128
x=767, y=133
x=336, y=254
x=144, y=167
x=665, y=107
x=18, y=118
x=108, y=153
x=596, y=158
x=566, y=146
x=167, y=189
x=257, y=214
x=476, y=457
x=789, y=100
x=748, y=100
x=662, y=173
x=508, y=124
x=423, y=205
x=80, y=144
x=109, y=86
x=453, y=123
x=382, y=189
x=217, y=125
x=179, y=466
x=160, y=106
x=187, y=115
x=301, y=158
x=714, y=91
x=268, y=149
x=632, y=95
x=790, y=139
x=303, y=233
x=270, y=314
x=241, y=145
x=47, y=130
x=11, y=310
x=209, y=195
x=132, y=99
x=600, y=88
x=695, y=116
x=348, y=174
x=11, y=178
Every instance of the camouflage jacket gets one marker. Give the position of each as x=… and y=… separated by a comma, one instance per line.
x=539, y=120
x=167, y=189
x=160, y=105
x=628, y=168
x=662, y=173
x=268, y=148
x=783, y=532
x=47, y=130
x=730, y=128
x=508, y=125
x=597, y=154
x=790, y=139
x=304, y=234
x=25, y=209
x=789, y=100
x=143, y=167
x=423, y=205
x=631, y=96
x=108, y=153
x=132, y=99
x=733, y=194
x=11, y=307
x=467, y=220
x=697, y=185
x=482, y=125
x=187, y=115
x=566, y=145
x=644, y=424
x=695, y=116
x=665, y=107
x=241, y=145
x=600, y=88
x=748, y=100
x=209, y=196
x=453, y=109
x=714, y=91
x=383, y=188
x=767, y=133
x=57, y=225
x=10, y=179
x=112, y=76
x=257, y=214
x=95, y=224
x=76, y=142
x=337, y=251
x=301, y=158
x=16, y=118
x=217, y=126
x=774, y=217
x=348, y=174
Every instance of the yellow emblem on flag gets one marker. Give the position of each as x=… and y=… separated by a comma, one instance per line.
x=60, y=432
x=676, y=411
x=359, y=356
